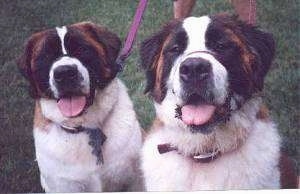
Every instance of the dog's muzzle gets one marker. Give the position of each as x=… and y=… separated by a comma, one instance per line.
x=67, y=79
x=199, y=110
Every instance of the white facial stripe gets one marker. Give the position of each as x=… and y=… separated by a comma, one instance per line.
x=82, y=70
x=195, y=28
x=174, y=78
x=61, y=33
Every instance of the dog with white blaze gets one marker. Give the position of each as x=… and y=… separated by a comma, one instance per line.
x=212, y=131
x=83, y=141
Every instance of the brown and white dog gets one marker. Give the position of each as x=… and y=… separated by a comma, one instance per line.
x=87, y=136
x=212, y=130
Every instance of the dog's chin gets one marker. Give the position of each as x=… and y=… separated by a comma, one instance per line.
x=205, y=129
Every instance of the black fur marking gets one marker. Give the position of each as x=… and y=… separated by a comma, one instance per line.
x=178, y=113
x=96, y=140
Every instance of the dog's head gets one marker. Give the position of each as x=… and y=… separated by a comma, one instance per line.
x=202, y=68
x=69, y=63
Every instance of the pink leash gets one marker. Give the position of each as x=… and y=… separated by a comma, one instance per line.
x=252, y=12
x=126, y=50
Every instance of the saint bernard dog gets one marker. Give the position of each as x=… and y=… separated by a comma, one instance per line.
x=86, y=134
x=212, y=131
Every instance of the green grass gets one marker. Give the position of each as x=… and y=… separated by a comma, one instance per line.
x=19, y=19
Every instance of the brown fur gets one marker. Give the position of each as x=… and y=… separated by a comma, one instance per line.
x=86, y=27
x=288, y=177
x=39, y=121
x=263, y=113
x=110, y=42
x=25, y=62
x=247, y=57
x=158, y=69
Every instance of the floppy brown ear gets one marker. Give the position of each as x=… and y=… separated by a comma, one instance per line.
x=109, y=40
x=262, y=45
x=24, y=64
x=149, y=55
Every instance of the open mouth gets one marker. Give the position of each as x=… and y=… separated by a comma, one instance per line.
x=196, y=113
x=198, y=118
x=202, y=115
x=72, y=106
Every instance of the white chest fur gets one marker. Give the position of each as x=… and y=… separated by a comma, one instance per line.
x=57, y=150
x=254, y=165
x=251, y=167
x=66, y=161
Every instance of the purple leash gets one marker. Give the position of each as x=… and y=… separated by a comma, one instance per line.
x=126, y=50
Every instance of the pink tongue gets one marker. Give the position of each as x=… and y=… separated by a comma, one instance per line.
x=197, y=115
x=72, y=106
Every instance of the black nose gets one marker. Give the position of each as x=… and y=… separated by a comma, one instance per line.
x=66, y=73
x=194, y=69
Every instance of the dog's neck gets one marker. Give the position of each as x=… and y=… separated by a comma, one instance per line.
x=226, y=137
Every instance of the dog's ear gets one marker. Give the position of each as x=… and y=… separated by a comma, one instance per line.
x=262, y=46
x=149, y=55
x=109, y=40
x=25, y=66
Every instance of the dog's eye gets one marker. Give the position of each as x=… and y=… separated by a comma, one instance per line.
x=221, y=45
x=174, y=49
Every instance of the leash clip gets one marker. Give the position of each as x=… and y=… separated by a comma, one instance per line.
x=120, y=61
x=126, y=50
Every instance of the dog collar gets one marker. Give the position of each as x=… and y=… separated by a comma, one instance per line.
x=200, y=51
x=73, y=130
x=199, y=157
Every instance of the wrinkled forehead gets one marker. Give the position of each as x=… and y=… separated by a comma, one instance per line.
x=196, y=28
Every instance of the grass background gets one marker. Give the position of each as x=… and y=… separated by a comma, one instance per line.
x=20, y=18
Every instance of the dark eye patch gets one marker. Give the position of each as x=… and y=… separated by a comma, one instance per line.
x=76, y=45
x=173, y=49
x=177, y=44
x=217, y=40
x=49, y=52
x=79, y=48
x=225, y=41
x=222, y=44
